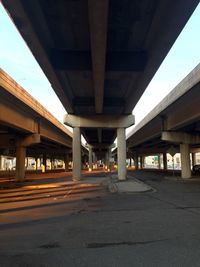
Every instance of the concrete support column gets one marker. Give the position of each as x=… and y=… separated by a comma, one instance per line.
x=165, y=161
x=159, y=162
x=52, y=163
x=44, y=162
x=36, y=163
x=76, y=153
x=109, y=159
x=66, y=162
x=136, y=161
x=20, y=163
x=90, y=158
x=185, y=161
x=193, y=159
x=142, y=160
x=26, y=165
x=130, y=159
x=121, y=153
x=1, y=162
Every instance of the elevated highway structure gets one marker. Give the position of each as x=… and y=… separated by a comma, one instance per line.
x=27, y=128
x=174, y=122
x=99, y=57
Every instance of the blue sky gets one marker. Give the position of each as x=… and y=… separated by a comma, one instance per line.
x=18, y=62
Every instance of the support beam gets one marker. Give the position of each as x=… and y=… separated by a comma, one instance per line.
x=20, y=163
x=76, y=154
x=185, y=161
x=29, y=140
x=99, y=121
x=121, y=153
x=98, y=14
x=180, y=137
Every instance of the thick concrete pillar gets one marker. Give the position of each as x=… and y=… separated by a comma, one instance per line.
x=130, y=159
x=44, y=162
x=193, y=159
x=76, y=153
x=165, y=161
x=66, y=162
x=1, y=162
x=20, y=163
x=109, y=159
x=90, y=158
x=159, y=162
x=185, y=161
x=121, y=153
x=36, y=163
x=136, y=161
x=142, y=160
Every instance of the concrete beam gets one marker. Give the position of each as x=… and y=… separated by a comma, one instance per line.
x=99, y=121
x=29, y=140
x=98, y=15
x=101, y=146
x=179, y=137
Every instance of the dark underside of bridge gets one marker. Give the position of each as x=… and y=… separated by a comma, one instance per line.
x=100, y=55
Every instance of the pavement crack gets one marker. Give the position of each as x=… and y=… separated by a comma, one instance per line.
x=50, y=245
x=124, y=243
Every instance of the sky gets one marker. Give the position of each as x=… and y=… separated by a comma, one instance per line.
x=17, y=60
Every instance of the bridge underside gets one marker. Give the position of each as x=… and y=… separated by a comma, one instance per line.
x=100, y=55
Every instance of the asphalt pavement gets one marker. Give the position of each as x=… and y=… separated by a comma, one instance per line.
x=149, y=220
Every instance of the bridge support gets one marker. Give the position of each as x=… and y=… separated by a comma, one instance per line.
x=121, y=153
x=20, y=163
x=193, y=159
x=21, y=154
x=165, y=161
x=102, y=121
x=76, y=175
x=90, y=158
x=185, y=161
x=66, y=160
x=135, y=158
x=184, y=139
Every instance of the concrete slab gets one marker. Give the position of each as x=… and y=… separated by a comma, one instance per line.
x=128, y=186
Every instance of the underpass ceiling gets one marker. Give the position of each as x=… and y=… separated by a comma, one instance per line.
x=66, y=37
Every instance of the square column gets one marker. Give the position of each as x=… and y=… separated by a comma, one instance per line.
x=185, y=161
x=1, y=162
x=165, y=161
x=20, y=163
x=44, y=162
x=66, y=160
x=193, y=159
x=121, y=153
x=90, y=158
x=136, y=161
x=76, y=151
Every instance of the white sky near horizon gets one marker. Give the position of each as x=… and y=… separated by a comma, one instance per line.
x=17, y=60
